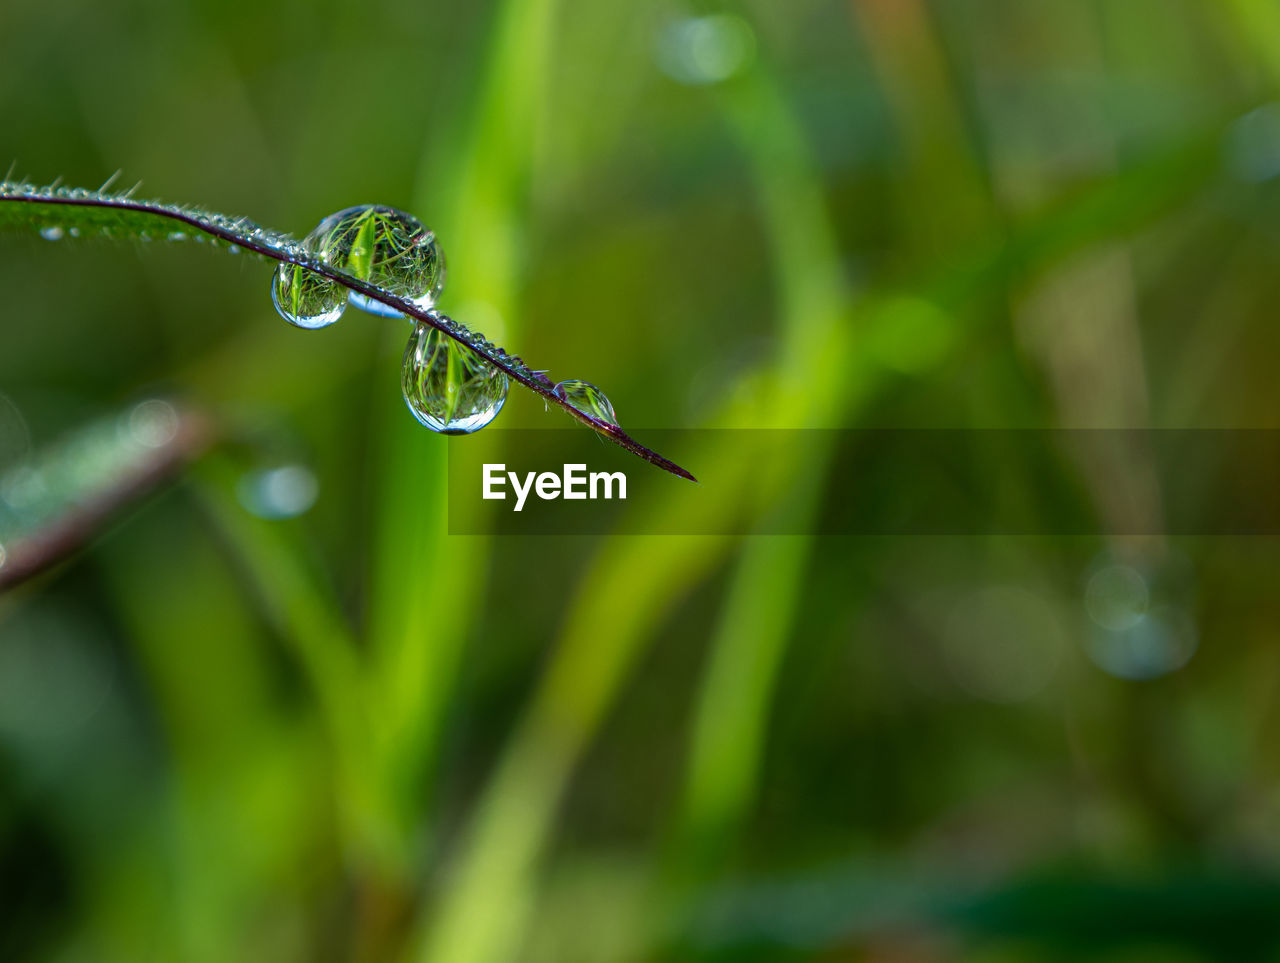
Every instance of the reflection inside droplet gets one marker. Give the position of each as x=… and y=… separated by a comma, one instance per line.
x=385, y=247
x=304, y=298
x=449, y=388
x=390, y=249
x=585, y=396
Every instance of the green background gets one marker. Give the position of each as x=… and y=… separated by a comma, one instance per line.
x=346, y=735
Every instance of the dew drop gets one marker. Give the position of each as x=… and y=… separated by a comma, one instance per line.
x=587, y=397
x=51, y=233
x=449, y=388
x=306, y=299
x=387, y=248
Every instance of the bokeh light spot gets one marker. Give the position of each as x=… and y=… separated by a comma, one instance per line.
x=275, y=493
x=706, y=50
x=153, y=423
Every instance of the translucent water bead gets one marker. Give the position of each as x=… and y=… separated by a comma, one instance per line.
x=449, y=388
x=587, y=397
x=306, y=299
x=386, y=247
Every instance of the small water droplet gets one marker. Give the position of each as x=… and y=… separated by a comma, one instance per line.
x=233, y=249
x=449, y=388
x=74, y=232
x=51, y=233
x=177, y=236
x=387, y=248
x=587, y=397
x=306, y=299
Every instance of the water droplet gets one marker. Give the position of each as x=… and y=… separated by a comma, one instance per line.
x=587, y=397
x=449, y=388
x=177, y=236
x=304, y=298
x=75, y=232
x=385, y=247
x=51, y=233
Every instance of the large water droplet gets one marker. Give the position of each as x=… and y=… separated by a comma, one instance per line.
x=304, y=298
x=587, y=397
x=449, y=388
x=51, y=233
x=386, y=247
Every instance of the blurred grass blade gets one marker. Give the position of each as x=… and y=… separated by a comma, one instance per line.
x=57, y=503
x=416, y=642
x=308, y=618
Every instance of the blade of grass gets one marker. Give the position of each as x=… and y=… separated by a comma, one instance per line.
x=417, y=641
x=59, y=212
x=308, y=618
x=1258, y=25
x=624, y=597
x=733, y=705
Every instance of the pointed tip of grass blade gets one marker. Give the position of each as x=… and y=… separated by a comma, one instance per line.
x=616, y=434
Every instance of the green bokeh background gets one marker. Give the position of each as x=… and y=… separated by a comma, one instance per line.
x=349, y=736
